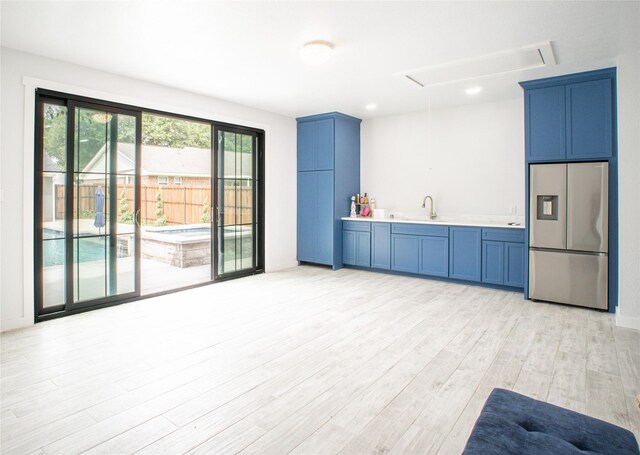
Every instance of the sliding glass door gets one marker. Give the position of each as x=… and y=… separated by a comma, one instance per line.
x=131, y=203
x=86, y=233
x=236, y=223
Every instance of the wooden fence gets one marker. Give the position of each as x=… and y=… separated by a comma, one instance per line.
x=181, y=205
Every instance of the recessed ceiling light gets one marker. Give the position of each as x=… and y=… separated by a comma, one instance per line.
x=316, y=52
x=473, y=90
x=371, y=106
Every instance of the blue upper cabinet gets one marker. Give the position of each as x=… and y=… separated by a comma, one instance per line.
x=316, y=145
x=465, y=253
x=328, y=174
x=545, y=117
x=570, y=117
x=589, y=119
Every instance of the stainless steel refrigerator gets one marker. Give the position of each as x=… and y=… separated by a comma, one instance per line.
x=568, y=233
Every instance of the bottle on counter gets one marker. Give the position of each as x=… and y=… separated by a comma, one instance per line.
x=352, y=212
x=366, y=201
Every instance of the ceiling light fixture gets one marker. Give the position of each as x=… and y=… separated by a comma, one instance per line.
x=371, y=106
x=473, y=90
x=316, y=52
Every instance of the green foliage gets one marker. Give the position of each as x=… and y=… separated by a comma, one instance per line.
x=161, y=220
x=87, y=214
x=172, y=132
x=124, y=215
x=205, y=211
x=92, y=135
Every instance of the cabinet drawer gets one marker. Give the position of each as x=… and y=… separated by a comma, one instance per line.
x=364, y=226
x=503, y=235
x=420, y=229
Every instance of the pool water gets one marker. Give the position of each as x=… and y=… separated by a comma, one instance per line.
x=91, y=249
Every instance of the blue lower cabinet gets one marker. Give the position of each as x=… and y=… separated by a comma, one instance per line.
x=493, y=262
x=381, y=245
x=363, y=249
x=514, y=264
x=349, y=247
x=404, y=253
x=434, y=256
x=307, y=217
x=465, y=253
x=325, y=223
x=356, y=248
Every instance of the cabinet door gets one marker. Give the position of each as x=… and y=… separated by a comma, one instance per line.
x=493, y=262
x=324, y=144
x=307, y=216
x=381, y=245
x=514, y=264
x=349, y=247
x=465, y=251
x=404, y=253
x=589, y=119
x=434, y=256
x=363, y=249
x=307, y=146
x=325, y=221
x=545, y=123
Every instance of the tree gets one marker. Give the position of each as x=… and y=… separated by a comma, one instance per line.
x=124, y=216
x=161, y=220
x=205, y=211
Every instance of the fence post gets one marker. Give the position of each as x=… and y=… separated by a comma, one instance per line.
x=184, y=205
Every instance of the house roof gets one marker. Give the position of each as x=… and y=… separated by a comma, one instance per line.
x=157, y=160
x=51, y=164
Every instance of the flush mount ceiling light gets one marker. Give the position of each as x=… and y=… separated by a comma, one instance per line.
x=316, y=52
x=473, y=90
x=371, y=106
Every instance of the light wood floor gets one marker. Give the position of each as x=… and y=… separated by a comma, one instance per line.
x=305, y=361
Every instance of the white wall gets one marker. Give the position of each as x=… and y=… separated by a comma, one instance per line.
x=469, y=158
x=629, y=189
x=16, y=306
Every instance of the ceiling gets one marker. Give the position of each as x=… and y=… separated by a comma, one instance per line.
x=248, y=52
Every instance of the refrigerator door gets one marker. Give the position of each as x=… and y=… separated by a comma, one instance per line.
x=548, y=206
x=573, y=278
x=587, y=207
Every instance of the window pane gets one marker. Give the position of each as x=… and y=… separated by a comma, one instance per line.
x=53, y=260
x=89, y=259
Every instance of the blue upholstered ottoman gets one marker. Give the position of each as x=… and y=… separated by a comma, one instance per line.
x=511, y=423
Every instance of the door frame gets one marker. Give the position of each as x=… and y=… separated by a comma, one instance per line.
x=70, y=306
x=258, y=201
x=62, y=97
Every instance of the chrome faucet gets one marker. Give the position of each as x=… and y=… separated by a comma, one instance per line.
x=432, y=214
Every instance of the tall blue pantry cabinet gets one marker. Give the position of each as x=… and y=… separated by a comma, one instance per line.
x=328, y=175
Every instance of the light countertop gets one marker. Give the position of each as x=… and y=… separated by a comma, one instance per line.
x=443, y=222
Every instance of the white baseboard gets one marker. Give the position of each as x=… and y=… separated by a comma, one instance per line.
x=281, y=266
x=15, y=323
x=627, y=321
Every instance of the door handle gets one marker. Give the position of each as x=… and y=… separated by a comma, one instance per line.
x=136, y=218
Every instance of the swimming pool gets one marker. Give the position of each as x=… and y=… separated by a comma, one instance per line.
x=91, y=249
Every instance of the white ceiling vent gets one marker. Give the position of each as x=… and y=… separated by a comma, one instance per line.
x=482, y=66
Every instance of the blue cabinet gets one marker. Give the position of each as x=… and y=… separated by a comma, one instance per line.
x=316, y=144
x=570, y=117
x=545, y=124
x=381, y=245
x=493, y=262
x=465, y=252
x=434, y=256
x=404, y=253
x=589, y=119
x=356, y=243
x=503, y=257
x=514, y=264
x=328, y=174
